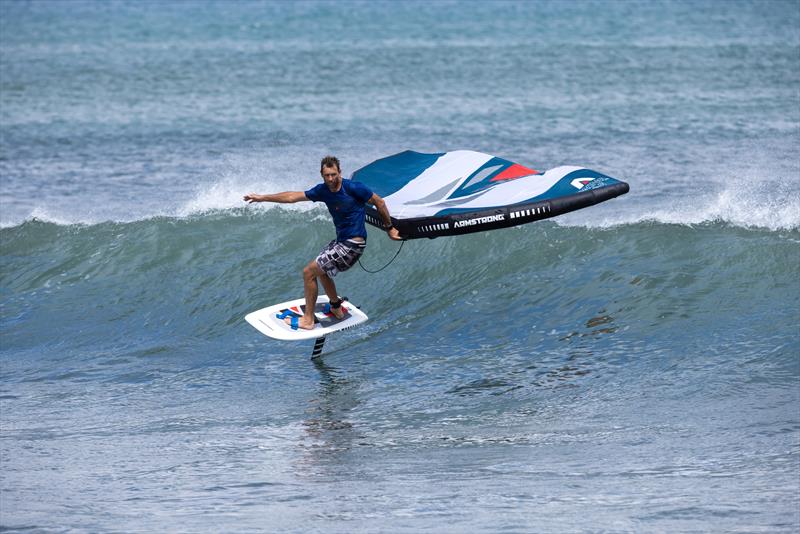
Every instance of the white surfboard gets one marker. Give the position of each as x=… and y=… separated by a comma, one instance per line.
x=267, y=320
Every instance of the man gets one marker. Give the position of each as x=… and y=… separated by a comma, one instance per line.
x=345, y=200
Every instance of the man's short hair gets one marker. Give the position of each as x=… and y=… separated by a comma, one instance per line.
x=330, y=161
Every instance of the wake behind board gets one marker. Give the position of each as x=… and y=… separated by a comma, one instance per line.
x=267, y=320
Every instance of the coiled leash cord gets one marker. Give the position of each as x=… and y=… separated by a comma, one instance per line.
x=403, y=242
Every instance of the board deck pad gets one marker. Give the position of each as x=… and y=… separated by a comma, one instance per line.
x=267, y=322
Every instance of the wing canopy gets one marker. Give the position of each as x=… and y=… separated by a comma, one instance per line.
x=450, y=193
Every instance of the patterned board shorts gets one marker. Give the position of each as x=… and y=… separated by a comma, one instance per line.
x=339, y=256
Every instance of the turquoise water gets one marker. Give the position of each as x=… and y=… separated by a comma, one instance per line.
x=634, y=366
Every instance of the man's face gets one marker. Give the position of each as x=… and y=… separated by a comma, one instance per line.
x=332, y=177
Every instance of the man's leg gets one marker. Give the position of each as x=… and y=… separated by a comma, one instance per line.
x=330, y=289
x=310, y=274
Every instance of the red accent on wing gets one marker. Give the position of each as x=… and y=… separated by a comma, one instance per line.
x=514, y=172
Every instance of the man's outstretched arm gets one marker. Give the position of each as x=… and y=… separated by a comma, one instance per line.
x=287, y=197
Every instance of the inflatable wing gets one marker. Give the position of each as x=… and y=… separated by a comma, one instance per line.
x=451, y=193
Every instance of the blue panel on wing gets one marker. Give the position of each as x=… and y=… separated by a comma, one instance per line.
x=389, y=175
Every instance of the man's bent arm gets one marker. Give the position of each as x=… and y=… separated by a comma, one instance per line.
x=383, y=211
x=287, y=197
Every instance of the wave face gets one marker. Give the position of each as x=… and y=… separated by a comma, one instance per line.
x=199, y=275
x=632, y=366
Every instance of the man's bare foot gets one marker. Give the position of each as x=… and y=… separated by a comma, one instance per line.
x=338, y=312
x=302, y=322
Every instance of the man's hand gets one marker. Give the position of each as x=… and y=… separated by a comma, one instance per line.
x=252, y=197
x=394, y=234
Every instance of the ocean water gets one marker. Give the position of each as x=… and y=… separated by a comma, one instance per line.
x=631, y=367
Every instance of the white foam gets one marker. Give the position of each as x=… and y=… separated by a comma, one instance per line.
x=228, y=194
x=744, y=208
x=747, y=201
x=234, y=177
x=749, y=198
x=243, y=175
